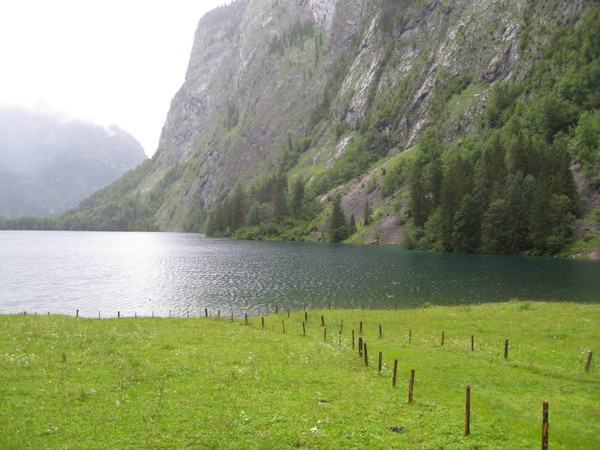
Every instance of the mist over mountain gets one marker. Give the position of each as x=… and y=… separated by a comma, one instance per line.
x=456, y=126
x=48, y=165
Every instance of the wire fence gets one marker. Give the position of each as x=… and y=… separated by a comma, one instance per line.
x=402, y=341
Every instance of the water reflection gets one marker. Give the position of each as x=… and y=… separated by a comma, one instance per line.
x=185, y=273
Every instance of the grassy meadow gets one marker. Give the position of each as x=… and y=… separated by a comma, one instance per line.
x=68, y=382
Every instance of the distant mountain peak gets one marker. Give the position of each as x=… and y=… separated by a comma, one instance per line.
x=66, y=159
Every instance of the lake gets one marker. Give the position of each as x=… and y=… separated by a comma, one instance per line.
x=154, y=273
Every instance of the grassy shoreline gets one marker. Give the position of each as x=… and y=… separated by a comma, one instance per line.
x=212, y=383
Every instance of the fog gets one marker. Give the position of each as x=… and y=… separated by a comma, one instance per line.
x=107, y=62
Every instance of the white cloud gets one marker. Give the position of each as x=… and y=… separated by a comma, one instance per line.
x=110, y=61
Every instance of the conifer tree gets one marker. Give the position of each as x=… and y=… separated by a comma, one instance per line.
x=456, y=184
x=338, y=228
x=493, y=228
x=352, y=226
x=297, y=205
x=367, y=214
x=516, y=217
x=418, y=200
x=278, y=196
x=466, y=233
x=238, y=209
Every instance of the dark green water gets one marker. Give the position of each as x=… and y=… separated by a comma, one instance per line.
x=144, y=272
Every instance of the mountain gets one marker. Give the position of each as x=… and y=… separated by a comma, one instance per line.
x=48, y=165
x=460, y=126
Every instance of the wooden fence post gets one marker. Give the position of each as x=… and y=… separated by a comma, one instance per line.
x=324, y=334
x=379, y=366
x=468, y=412
x=443, y=338
x=283, y=325
x=262, y=321
x=472, y=343
x=118, y=314
x=276, y=309
x=380, y=332
x=366, y=354
x=411, y=385
x=352, y=339
x=545, y=427
x=304, y=328
x=77, y=313
x=246, y=318
x=360, y=329
x=588, y=363
x=506, y=349
x=395, y=373
x=360, y=346
x=409, y=335
x=322, y=320
x=205, y=312
x=305, y=316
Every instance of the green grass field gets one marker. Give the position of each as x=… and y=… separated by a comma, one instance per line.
x=69, y=382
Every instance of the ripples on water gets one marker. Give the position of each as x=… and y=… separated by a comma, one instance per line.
x=143, y=273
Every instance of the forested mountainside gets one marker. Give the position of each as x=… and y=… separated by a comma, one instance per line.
x=49, y=166
x=464, y=125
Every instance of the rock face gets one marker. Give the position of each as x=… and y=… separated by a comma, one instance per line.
x=48, y=166
x=251, y=85
x=323, y=12
x=249, y=89
x=336, y=75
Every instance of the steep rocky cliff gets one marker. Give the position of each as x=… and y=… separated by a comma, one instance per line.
x=243, y=96
x=337, y=93
x=252, y=83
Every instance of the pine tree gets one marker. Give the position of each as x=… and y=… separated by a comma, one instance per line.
x=434, y=176
x=278, y=196
x=239, y=209
x=338, y=228
x=456, y=184
x=540, y=218
x=490, y=171
x=418, y=199
x=297, y=205
x=516, y=218
x=367, y=214
x=352, y=226
x=466, y=233
x=493, y=228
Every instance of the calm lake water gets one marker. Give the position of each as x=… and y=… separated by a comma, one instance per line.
x=142, y=273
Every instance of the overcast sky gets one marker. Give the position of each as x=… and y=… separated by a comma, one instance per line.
x=106, y=61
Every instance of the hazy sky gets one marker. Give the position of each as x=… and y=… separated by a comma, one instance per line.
x=108, y=61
